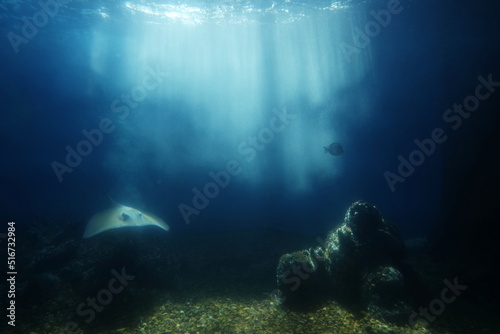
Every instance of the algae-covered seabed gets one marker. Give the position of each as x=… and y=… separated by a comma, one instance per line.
x=226, y=284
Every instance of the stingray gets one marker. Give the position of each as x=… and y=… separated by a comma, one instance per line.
x=121, y=216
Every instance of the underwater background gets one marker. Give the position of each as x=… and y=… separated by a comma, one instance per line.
x=218, y=117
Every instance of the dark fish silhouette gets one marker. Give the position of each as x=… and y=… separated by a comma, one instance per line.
x=334, y=149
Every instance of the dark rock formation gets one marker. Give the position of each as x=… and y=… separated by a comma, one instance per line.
x=361, y=265
x=384, y=294
x=61, y=276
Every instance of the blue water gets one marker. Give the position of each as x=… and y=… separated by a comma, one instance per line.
x=153, y=97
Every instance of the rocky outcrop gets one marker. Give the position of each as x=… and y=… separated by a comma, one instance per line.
x=360, y=265
x=113, y=268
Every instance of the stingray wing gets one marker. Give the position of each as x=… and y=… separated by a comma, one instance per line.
x=103, y=221
x=156, y=221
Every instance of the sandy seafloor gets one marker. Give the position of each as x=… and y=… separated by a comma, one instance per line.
x=226, y=284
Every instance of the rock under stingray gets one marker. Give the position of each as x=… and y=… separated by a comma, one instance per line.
x=121, y=216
